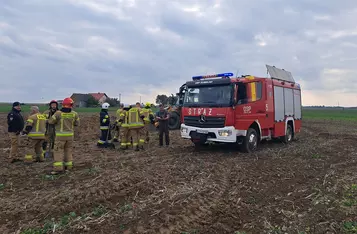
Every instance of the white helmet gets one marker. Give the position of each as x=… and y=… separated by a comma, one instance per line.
x=105, y=105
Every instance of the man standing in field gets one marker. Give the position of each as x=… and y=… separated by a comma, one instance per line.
x=64, y=121
x=50, y=131
x=35, y=130
x=15, y=124
x=105, y=128
x=162, y=116
x=148, y=119
x=117, y=133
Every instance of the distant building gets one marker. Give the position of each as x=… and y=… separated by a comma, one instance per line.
x=100, y=97
x=80, y=99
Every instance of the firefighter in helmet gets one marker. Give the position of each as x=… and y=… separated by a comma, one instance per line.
x=64, y=121
x=148, y=119
x=105, y=127
x=35, y=130
x=118, y=134
x=123, y=120
x=50, y=131
x=135, y=124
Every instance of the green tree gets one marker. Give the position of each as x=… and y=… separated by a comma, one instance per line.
x=162, y=99
x=113, y=101
x=172, y=100
x=92, y=102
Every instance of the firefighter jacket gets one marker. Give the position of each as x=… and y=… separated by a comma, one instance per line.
x=36, y=126
x=48, y=114
x=119, y=116
x=15, y=121
x=133, y=119
x=148, y=115
x=104, y=120
x=64, y=121
x=123, y=120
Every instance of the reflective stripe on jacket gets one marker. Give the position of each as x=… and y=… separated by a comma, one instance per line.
x=38, y=126
x=133, y=118
x=65, y=120
x=146, y=112
x=104, y=120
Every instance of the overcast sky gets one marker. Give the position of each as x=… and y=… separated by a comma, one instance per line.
x=52, y=48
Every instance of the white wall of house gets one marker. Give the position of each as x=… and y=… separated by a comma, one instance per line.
x=102, y=99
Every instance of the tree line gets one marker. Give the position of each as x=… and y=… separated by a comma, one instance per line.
x=166, y=100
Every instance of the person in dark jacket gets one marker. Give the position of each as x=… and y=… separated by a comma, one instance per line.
x=16, y=124
x=105, y=127
x=162, y=116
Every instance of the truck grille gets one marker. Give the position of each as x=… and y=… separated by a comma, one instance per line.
x=211, y=122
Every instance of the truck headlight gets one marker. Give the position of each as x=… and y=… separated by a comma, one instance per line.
x=184, y=130
x=224, y=133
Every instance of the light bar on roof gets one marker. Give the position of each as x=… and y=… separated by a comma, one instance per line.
x=225, y=75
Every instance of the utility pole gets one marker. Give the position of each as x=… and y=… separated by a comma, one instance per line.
x=140, y=99
x=120, y=98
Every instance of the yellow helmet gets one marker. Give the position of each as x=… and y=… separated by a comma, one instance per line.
x=148, y=104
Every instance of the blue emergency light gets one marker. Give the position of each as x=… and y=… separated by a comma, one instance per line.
x=225, y=75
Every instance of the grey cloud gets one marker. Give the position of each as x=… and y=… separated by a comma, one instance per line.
x=83, y=48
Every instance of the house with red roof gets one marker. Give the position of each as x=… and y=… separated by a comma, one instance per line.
x=100, y=97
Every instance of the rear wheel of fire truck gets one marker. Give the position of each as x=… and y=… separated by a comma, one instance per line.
x=174, y=121
x=289, y=134
x=250, y=141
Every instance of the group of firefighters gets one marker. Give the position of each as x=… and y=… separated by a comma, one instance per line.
x=54, y=130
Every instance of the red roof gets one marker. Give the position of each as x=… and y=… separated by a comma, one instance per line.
x=97, y=96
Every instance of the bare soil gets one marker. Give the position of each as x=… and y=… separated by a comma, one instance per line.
x=308, y=186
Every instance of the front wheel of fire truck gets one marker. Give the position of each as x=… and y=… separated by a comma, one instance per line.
x=289, y=134
x=250, y=141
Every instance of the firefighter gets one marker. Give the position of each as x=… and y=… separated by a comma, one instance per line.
x=105, y=128
x=64, y=121
x=117, y=136
x=148, y=119
x=15, y=124
x=50, y=131
x=135, y=124
x=123, y=120
x=35, y=130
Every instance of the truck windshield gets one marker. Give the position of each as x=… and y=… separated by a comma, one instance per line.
x=210, y=96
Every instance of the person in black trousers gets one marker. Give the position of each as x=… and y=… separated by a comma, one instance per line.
x=162, y=116
x=16, y=124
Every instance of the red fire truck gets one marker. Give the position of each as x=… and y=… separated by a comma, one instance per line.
x=242, y=110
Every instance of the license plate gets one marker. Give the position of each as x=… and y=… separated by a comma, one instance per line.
x=202, y=131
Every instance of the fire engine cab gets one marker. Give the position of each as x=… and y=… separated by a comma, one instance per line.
x=243, y=110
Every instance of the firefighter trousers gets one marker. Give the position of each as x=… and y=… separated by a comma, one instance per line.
x=105, y=137
x=35, y=146
x=125, y=139
x=144, y=134
x=62, y=155
x=118, y=133
x=134, y=133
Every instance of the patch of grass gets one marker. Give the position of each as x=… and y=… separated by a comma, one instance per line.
x=99, y=211
x=330, y=114
x=350, y=196
x=2, y=186
x=349, y=227
x=50, y=177
x=316, y=156
x=126, y=208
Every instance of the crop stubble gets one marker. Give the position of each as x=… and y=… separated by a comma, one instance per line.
x=291, y=188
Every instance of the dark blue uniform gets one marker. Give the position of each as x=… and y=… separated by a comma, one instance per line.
x=106, y=137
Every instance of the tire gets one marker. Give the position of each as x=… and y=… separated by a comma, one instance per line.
x=289, y=135
x=174, y=121
x=250, y=141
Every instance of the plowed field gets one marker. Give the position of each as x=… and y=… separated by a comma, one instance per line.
x=308, y=186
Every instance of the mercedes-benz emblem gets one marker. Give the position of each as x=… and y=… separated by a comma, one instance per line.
x=202, y=119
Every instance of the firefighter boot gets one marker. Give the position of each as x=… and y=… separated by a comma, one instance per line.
x=137, y=148
x=28, y=159
x=39, y=158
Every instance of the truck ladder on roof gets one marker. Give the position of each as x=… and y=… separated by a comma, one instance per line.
x=279, y=74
